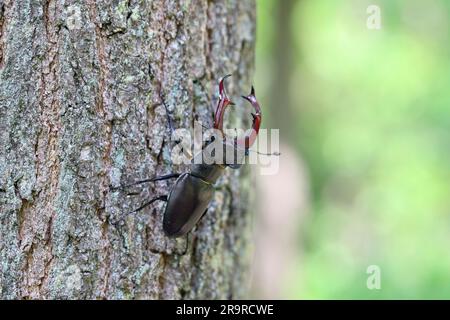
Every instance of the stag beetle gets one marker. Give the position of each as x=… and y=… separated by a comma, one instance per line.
x=192, y=191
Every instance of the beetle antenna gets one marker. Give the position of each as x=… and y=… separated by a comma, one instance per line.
x=267, y=154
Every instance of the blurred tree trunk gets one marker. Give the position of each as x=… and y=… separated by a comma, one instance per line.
x=80, y=110
x=282, y=70
x=284, y=196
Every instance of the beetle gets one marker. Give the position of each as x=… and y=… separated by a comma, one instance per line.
x=190, y=195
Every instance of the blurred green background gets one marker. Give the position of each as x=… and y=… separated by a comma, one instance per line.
x=368, y=112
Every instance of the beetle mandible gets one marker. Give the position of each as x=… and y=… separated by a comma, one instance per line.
x=192, y=191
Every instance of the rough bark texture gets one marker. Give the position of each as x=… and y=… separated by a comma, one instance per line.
x=80, y=110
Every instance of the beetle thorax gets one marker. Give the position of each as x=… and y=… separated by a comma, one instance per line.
x=207, y=172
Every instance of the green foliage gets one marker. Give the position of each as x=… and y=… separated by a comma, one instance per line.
x=372, y=112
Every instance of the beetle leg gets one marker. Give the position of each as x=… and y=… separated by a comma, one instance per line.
x=158, y=178
x=169, y=120
x=160, y=198
x=203, y=215
x=187, y=235
x=123, y=216
x=222, y=104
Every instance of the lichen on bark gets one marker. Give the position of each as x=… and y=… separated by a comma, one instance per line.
x=80, y=109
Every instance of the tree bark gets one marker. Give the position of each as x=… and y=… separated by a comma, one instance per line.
x=80, y=109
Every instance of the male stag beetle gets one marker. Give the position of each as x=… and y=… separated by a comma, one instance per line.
x=192, y=191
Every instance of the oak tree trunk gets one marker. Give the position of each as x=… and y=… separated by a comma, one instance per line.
x=80, y=110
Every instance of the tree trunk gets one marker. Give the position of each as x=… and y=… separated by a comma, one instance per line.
x=80, y=109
